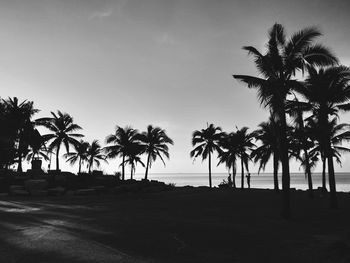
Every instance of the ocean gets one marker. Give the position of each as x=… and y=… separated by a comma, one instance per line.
x=263, y=180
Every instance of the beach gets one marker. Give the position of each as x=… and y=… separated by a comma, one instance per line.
x=182, y=225
x=261, y=181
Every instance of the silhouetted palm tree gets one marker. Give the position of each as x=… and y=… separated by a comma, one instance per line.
x=277, y=67
x=314, y=131
x=300, y=137
x=62, y=127
x=244, y=147
x=80, y=154
x=94, y=155
x=7, y=138
x=328, y=92
x=134, y=150
x=229, y=153
x=206, y=141
x=37, y=146
x=155, y=140
x=19, y=116
x=267, y=134
x=338, y=134
x=120, y=141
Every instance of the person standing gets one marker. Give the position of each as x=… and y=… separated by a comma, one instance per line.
x=248, y=179
x=229, y=180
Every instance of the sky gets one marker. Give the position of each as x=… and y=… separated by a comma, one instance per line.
x=166, y=63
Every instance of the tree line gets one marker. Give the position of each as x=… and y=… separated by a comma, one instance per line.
x=305, y=88
x=20, y=140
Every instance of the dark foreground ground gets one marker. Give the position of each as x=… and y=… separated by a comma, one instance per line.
x=184, y=225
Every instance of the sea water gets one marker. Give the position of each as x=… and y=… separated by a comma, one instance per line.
x=262, y=180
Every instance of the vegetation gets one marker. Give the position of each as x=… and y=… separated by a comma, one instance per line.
x=119, y=143
x=79, y=155
x=206, y=141
x=267, y=134
x=278, y=66
x=156, y=143
x=311, y=106
x=94, y=155
x=63, y=132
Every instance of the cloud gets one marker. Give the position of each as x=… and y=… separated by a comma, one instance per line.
x=165, y=39
x=101, y=14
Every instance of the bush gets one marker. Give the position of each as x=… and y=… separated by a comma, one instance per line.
x=225, y=184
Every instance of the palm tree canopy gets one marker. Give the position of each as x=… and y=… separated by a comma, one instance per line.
x=268, y=137
x=327, y=89
x=244, y=144
x=94, y=154
x=19, y=113
x=206, y=141
x=337, y=133
x=63, y=130
x=80, y=152
x=280, y=62
x=120, y=141
x=155, y=140
x=37, y=146
x=229, y=153
x=133, y=153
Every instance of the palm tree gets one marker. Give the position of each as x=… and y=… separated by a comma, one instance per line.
x=338, y=133
x=155, y=140
x=120, y=141
x=7, y=138
x=19, y=116
x=267, y=134
x=229, y=153
x=277, y=66
x=94, y=155
x=134, y=150
x=37, y=146
x=300, y=138
x=314, y=131
x=328, y=92
x=62, y=127
x=244, y=147
x=80, y=154
x=206, y=141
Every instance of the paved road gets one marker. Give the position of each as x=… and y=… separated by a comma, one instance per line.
x=30, y=233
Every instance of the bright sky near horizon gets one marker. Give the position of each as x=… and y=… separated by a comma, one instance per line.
x=167, y=63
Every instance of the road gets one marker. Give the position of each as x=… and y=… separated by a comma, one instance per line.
x=45, y=232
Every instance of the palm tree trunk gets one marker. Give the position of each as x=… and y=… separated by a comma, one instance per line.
x=49, y=166
x=146, y=173
x=57, y=158
x=286, y=213
x=308, y=173
x=131, y=173
x=324, y=173
x=19, y=167
x=275, y=172
x=79, y=165
x=234, y=176
x=332, y=188
x=123, y=167
x=90, y=164
x=210, y=170
x=242, y=174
